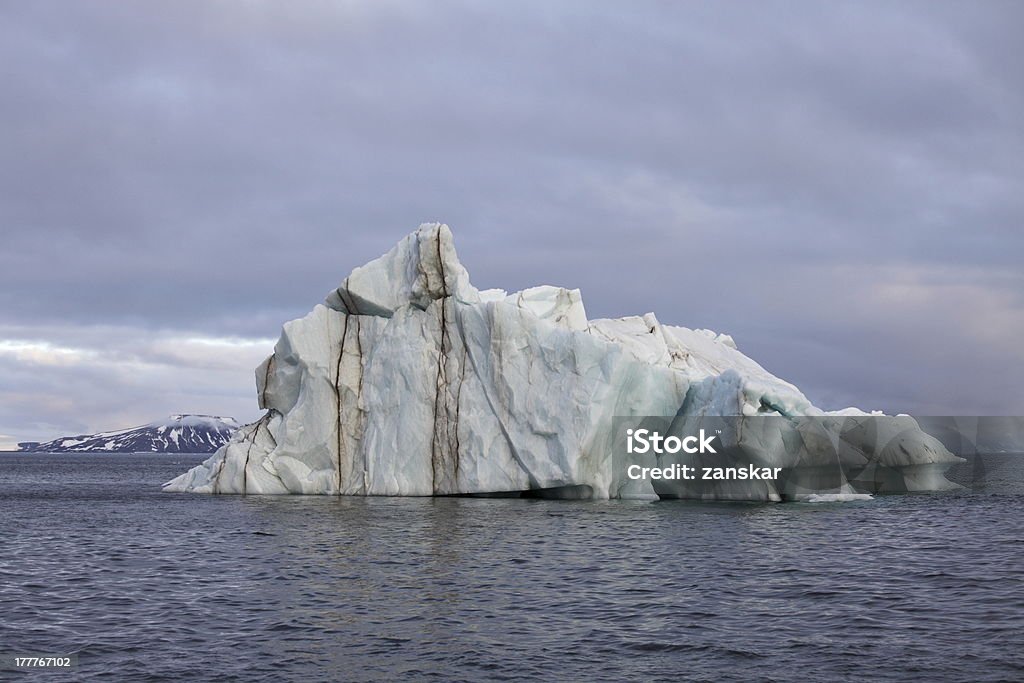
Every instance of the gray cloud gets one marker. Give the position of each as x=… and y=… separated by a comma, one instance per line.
x=837, y=185
x=72, y=380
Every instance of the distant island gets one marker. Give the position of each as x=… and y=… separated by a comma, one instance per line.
x=176, y=434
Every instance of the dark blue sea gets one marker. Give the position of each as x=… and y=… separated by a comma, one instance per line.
x=142, y=585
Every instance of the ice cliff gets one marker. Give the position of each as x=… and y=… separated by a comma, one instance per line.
x=407, y=380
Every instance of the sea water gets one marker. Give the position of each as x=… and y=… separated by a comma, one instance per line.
x=96, y=561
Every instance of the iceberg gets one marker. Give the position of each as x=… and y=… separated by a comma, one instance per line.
x=409, y=381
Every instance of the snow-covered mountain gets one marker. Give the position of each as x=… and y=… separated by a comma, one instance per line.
x=176, y=434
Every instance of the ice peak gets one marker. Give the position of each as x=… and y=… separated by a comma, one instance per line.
x=421, y=268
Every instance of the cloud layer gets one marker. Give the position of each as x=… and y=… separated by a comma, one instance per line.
x=837, y=185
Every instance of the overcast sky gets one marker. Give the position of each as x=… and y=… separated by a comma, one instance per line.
x=838, y=186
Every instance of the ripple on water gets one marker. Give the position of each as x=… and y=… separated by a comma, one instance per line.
x=97, y=561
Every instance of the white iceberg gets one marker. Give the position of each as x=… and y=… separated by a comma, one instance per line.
x=409, y=381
